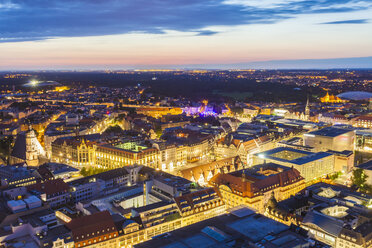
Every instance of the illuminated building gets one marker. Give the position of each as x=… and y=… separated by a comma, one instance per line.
x=182, y=146
x=331, y=99
x=334, y=215
x=240, y=227
x=344, y=161
x=197, y=150
x=254, y=186
x=86, y=188
x=242, y=148
x=342, y=220
x=310, y=165
x=61, y=88
x=363, y=141
x=97, y=229
x=201, y=174
x=77, y=151
x=66, y=126
x=170, y=155
x=274, y=211
x=191, y=145
x=200, y=205
x=130, y=153
x=54, y=192
x=157, y=112
x=84, y=151
x=334, y=119
x=251, y=111
x=201, y=109
x=191, y=208
x=27, y=149
x=265, y=111
x=364, y=121
x=330, y=138
x=16, y=176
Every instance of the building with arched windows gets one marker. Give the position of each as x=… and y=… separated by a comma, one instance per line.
x=254, y=186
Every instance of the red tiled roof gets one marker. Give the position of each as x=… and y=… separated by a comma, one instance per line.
x=45, y=173
x=364, y=118
x=250, y=144
x=189, y=198
x=213, y=166
x=220, y=141
x=50, y=187
x=252, y=184
x=94, y=225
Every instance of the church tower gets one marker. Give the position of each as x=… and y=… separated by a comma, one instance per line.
x=32, y=154
x=307, y=110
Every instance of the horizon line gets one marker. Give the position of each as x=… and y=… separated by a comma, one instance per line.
x=345, y=63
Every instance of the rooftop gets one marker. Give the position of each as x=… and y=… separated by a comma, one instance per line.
x=366, y=166
x=259, y=178
x=291, y=155
x=50, y=187
x=228, y=229
x=94, y=225
x=330, y=132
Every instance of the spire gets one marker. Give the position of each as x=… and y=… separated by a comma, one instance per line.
x=29, y=125
x=307, y=102
x=307, y=109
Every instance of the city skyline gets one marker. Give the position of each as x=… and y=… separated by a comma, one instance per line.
x=185, y=34
x=185, y=123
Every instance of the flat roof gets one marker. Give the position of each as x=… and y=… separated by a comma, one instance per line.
x=364, y=132
x=200, y=240
x=221, y=230
x=308, y=156
x=366, y=166
x=14, y=203
x=256, y=227
x=330, y=131
x=32, y=199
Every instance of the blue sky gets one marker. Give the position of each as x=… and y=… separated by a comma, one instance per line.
x=53, y=34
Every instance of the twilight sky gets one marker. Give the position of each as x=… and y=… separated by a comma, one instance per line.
x=120, y=34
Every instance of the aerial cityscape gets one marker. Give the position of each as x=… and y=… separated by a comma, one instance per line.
x=185, y=124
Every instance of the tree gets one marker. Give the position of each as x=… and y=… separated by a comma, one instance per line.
x=158, y=131
x=114, y=129
x=237, y=110
x=84, y=172
x=92, y=171
x=335, y=175
x=359, y=179
x=5, y=147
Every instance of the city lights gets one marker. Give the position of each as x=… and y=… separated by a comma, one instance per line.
x=34, y=83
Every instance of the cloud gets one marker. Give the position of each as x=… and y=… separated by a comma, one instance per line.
x=206, y=33
x=4, y=5
x=357, y=21
x=25, y=20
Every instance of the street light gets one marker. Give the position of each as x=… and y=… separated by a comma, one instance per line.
x=34, y=82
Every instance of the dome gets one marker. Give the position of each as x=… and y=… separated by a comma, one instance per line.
x=356, y=95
